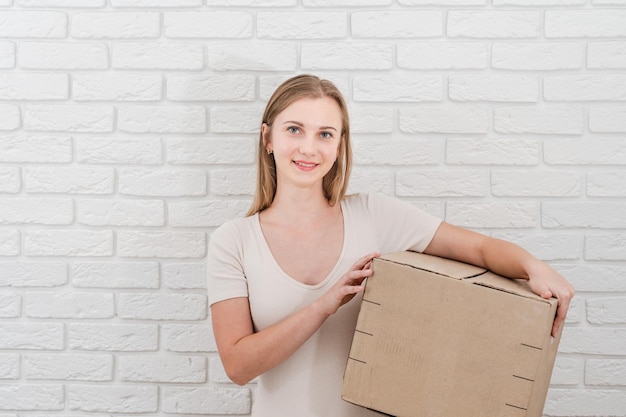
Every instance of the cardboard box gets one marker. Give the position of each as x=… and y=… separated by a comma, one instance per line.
x=440, y=338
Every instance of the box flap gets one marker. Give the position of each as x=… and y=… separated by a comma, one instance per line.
x=441, y=266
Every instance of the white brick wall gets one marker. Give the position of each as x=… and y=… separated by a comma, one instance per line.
x=128, y=133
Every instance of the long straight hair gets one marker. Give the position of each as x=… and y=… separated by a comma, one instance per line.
x=335, y=182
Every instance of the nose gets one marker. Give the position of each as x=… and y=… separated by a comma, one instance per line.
x=307, y=145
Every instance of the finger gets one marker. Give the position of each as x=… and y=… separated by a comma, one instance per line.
x=561, y=314
x=360, y=264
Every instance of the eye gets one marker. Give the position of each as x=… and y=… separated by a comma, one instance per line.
x=326, y=135
x=293, y=129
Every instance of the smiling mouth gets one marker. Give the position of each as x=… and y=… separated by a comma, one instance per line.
x=305, y=165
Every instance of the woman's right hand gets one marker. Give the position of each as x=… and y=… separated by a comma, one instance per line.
x=347, y=286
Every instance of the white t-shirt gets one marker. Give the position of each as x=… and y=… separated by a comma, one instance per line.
x=240, y=264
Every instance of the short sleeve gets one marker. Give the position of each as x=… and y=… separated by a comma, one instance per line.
x=226, y=277
x=400, y=225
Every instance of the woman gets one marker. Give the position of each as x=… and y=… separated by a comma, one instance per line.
x=280, y=279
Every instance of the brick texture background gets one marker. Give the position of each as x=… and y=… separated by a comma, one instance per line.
x=128, y=131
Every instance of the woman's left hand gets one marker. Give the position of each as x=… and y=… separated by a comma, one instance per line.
x=547, y=283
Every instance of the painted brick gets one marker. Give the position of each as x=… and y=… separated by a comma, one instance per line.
x=188, y=275
x=587, y=87
x=31, y=336
x=594, y=277
x=20, y=148
x=157, y=56
x=606, y=55
x=61, y=3
x=396, y=24
x=269, y=83
x=211, y=87
x=397, y=88
x=161, y=244
x=396, y=152
x=442, y=55
x=371, y=180
x=581, y=152
x=525, y=183
x=156, y=3
x=492, y=215
x=236, y=119
x=585, y=23
x=188, y=338
x=299, y=25
x=211, y=151
x=135, y=151
x=252, y=56
x=70, y=367
x=118, y=25
x=536, y=56
x=492, y=151
x=593, y=340
x=346, y=56
x=148, y=306
x=7, y=54
x=33, y=274
x=113, y=337
x=606, y=310
x=10, y=180
x=567, y=371
x=9, y=366
x=208, y=213
x=69, y=180
x=25, y=397
x=217, y=373
x=539, y=119
x=444, y=119
x=538, y=2
x=231, y=182
x=211, y=400
x=10, y=117
x=177, y=369
x=32, y=24
x=10, y=307
x=585, y=402
x=112, y=399
x=116, y=87
x=478, y=87
x=66, y=56
x=605, y=372
x=454, y=183
x=371, y=119
x=121, y=212
x=442, y=2
x=583, y=214
x=606, y=183
x=68, y=243
x=68, y=118
x=145, y=182
x=115, y=274
x=493, y=24
x=352, y=3
x=605, y=247
x=9, y=242
x=162, y=119
x=548, y=247
x=212, y=24
x=607, y=119
x=76, y=305
x=32, y=86
x=53, y=211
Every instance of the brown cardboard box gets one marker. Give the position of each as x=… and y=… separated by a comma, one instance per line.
x=440, y=338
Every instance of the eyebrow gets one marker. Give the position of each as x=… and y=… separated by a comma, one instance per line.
x=302, y=125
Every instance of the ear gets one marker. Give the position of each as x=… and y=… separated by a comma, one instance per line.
x=265, y=134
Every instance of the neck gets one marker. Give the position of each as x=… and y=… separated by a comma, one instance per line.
x=301, y=206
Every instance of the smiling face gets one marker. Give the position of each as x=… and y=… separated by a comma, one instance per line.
x=305, y=139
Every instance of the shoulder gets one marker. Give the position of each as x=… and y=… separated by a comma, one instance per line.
x=233, y=232
x=369, y=201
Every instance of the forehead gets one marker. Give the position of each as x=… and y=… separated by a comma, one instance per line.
x=324, y=111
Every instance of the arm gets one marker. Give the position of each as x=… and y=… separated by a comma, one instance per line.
x=506, y=259
x=246, y=354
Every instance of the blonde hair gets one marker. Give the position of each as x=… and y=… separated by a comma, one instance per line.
x=335, y=182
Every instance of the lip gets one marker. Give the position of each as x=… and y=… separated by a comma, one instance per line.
x=305, y=166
